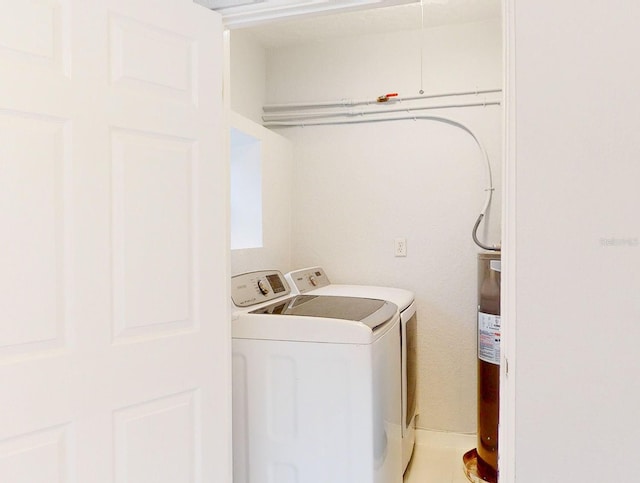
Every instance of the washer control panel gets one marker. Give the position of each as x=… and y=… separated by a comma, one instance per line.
x=308, y=278
x=253, y=288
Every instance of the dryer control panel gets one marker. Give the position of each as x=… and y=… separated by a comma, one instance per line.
x=253, y=288
x=307, y=279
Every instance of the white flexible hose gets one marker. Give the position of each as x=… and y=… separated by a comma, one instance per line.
x=451, y=122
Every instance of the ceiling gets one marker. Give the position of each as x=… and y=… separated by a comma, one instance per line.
x=325, y=25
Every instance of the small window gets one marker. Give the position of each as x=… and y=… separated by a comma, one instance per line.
x=246, y=191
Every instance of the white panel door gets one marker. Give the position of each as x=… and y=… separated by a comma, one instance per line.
x=114, y=333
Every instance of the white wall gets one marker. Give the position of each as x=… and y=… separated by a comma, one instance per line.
x=574, y=148
x=277, y=171
x=358, y=187
x=248, y=75
x=247, y=96
x=456, y=57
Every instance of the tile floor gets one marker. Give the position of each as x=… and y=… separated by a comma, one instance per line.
x=437, y=457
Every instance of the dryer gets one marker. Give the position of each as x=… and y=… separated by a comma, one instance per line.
x=314, y=280
x=316, y=385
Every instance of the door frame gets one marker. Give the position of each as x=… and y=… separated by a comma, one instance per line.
x=506, y=434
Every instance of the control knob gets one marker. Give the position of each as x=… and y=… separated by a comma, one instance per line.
x=312, y=280
x=264, y=288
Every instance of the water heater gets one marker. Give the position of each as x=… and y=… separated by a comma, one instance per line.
x=489, y=268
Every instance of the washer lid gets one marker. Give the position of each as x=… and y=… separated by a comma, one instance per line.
x=345, y=308
x=314, y=318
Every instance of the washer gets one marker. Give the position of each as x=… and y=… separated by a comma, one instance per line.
x=314, y=280
x=316, y=385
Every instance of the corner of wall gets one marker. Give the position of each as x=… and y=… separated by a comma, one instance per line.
x=248, y=75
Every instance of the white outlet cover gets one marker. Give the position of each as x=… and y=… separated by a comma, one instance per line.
x=400, y=247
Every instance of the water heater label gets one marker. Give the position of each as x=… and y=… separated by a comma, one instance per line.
x=489, y=338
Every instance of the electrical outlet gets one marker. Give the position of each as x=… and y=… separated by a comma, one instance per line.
x=401, y=247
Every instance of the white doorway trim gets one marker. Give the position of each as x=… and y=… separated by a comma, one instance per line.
x=506, y=435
